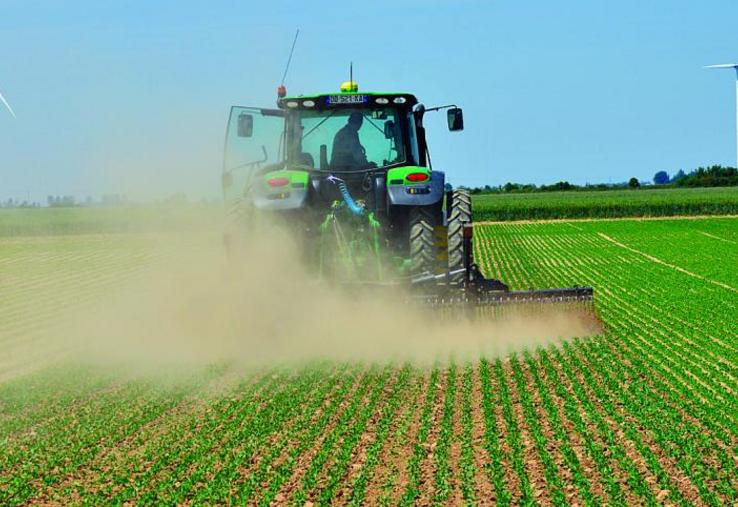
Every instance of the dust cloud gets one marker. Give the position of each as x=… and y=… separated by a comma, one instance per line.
x=260, y=307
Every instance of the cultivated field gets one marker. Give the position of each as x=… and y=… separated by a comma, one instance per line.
x=644, y=414
x=607, y=204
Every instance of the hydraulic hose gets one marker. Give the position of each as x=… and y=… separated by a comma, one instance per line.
x=343, y=188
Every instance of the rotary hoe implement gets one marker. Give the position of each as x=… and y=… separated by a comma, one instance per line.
x=350, y=176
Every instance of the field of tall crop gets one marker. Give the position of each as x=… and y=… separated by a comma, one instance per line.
x=607, y=204
x=645, y=413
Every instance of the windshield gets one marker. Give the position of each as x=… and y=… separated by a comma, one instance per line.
x=349, y=138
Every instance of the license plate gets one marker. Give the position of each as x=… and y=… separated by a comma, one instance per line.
x=348, y=99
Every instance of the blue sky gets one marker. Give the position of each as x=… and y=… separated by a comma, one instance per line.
x=133, y=96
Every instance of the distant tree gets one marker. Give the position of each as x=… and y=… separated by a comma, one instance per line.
x=661, y=178
x=634, y=183
x=678, y=176
x=561, y=185
x=714, y=176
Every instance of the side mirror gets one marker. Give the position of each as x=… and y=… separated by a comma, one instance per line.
x=245, y=125
x=455, y=117
x=389, y=129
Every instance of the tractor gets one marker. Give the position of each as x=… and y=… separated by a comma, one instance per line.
x=350, y=175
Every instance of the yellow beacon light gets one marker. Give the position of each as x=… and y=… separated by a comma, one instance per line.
x=349, y=87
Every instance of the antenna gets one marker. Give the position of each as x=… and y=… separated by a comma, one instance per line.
x=351, y=73
x=289, y=60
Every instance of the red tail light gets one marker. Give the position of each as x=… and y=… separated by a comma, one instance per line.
x=278, y=182
x=417, y=177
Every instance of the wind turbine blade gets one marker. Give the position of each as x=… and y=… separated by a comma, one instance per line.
x=7, y=105
x=722, y=66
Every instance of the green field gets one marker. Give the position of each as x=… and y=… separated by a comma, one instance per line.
x=644, y=414
x=113, y=219
x=607, y=204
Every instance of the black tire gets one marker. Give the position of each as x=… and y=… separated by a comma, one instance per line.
x=423, y=251
x=460, y=212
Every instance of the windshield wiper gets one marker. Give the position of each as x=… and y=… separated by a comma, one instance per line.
x=318, y=125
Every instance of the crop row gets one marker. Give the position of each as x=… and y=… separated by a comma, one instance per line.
x=606, y=204
x=658, y=364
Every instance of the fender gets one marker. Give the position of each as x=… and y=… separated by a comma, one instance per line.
x=403, y=192
x=290, y=193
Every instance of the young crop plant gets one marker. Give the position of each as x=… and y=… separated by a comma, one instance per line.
x=532, y=421
x=336, y=472
x=492, y=434
x=412, y=489
x=265, y=449
x=634, y=480
x=669, y=429
x=570, y=457
x=184, y=444
x=609, y=405
x=279, y=475
x=443, y=472
x=357, y=411
x=594, y=449
x=514, y=437
x=74, y=440
x=311, y=422
x=389, y=415
x=398, y=437
x=467, y=467
x=217, y=469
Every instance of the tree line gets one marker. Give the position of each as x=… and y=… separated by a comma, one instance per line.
x=713, y=176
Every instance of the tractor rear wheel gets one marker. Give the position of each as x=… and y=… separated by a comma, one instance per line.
x=423, y=251
x=459, y=213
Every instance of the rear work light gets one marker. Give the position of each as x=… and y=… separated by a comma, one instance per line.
x=278, y=182
x=417, y=177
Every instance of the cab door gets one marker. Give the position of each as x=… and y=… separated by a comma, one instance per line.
x=254, y=140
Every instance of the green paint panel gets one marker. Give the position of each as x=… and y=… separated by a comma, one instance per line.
x=297, y=179
x=398, y=175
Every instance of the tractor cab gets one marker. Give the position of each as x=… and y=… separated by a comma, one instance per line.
x=351, y=132
x=352, y=135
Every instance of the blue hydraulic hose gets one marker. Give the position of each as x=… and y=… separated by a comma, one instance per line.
x=355, y=208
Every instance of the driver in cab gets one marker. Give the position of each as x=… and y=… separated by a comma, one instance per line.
x=347, y=149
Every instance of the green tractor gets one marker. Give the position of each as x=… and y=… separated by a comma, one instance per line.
x=350, y=175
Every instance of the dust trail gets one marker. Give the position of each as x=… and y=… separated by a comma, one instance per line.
x=261, y=307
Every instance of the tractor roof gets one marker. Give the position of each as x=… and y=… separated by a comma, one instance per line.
x=347, y=98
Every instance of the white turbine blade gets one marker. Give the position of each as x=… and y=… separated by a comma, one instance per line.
x=722, y=66
x=7, y=105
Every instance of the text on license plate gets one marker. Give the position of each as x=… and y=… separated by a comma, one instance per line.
x=347, y=99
